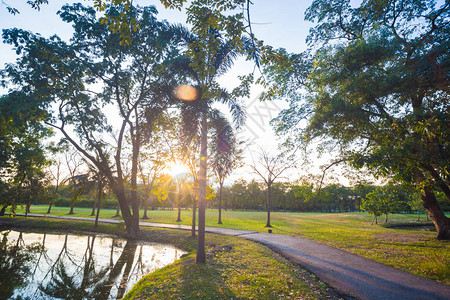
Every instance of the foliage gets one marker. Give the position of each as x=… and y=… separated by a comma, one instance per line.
x=35, y=4
x=380, y=201
x=22, y=157
x=377, y=91
x=226, y=154
x=94, y=71
x=211, y=49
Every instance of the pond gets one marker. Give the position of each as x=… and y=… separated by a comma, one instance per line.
x=70, y=266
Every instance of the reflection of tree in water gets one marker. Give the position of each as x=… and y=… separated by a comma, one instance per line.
x=125, y=260
x=74, y=283
x=15, y=264
x=81, y=272
x=42, y=254
x=84, y=280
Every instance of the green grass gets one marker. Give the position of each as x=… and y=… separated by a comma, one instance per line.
x=235, y=268
x=413, y=250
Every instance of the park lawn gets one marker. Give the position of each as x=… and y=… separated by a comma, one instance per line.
x=413, y=250
x=235, y=268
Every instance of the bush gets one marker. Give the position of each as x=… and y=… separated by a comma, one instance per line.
x=65, y=202
x=62, y=202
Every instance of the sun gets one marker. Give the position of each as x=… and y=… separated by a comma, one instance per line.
x=177, y=169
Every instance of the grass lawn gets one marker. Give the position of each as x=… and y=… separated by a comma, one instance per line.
x=413, y=250
x=235, y=268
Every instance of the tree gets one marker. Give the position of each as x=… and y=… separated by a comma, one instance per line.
x=180, y=181
x=56, y=170
x=226, y=155
x=152, y=160
x=381, y=201
x=35, y=4
x=212, y=48
x=269, y=168
x=22, y=154
x=377, y=91
x=133, y=78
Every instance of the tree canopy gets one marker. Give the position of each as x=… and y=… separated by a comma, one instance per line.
x=95, y=75
x=375, y=85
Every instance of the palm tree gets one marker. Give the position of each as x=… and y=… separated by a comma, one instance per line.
x=209, y=55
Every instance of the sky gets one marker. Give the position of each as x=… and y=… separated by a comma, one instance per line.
x=277, y=23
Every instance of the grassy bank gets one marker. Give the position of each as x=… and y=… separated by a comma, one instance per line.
x=411, y=249
x=235, y=268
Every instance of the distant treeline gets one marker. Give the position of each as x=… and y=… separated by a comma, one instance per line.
x=306, y=198
x=243, y=195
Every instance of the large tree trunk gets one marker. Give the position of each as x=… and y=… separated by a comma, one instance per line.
x=201, y=255
x=220, y=203
x=131, y=220
x=134, y=172
x=441, y=222
x=269, y=188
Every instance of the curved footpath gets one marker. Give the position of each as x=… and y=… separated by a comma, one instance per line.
x=351, y=275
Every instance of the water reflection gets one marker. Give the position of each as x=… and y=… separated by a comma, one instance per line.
x=52, y=266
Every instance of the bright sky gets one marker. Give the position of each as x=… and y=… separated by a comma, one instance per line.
x=277, y=23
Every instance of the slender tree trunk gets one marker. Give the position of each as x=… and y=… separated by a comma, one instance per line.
x=93, y=209
x=2, y=211
x=269, y=188
x=50, y=207
x=194, y=213
x=201, y=255
x=27, y=209
x=179, y=210
x=220, y=203
x=117, y=211
x=55, y=192
x=71, y=208
x=441, y=222
x=145, y=217
x=99, y=201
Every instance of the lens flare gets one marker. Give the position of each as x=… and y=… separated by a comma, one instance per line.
x=186, y=92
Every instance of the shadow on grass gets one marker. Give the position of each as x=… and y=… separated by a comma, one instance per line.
x=203, y=281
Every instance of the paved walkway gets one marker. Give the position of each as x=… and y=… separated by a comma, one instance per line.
x=349, y=274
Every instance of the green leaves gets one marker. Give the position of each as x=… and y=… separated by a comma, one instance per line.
x=369, y=90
